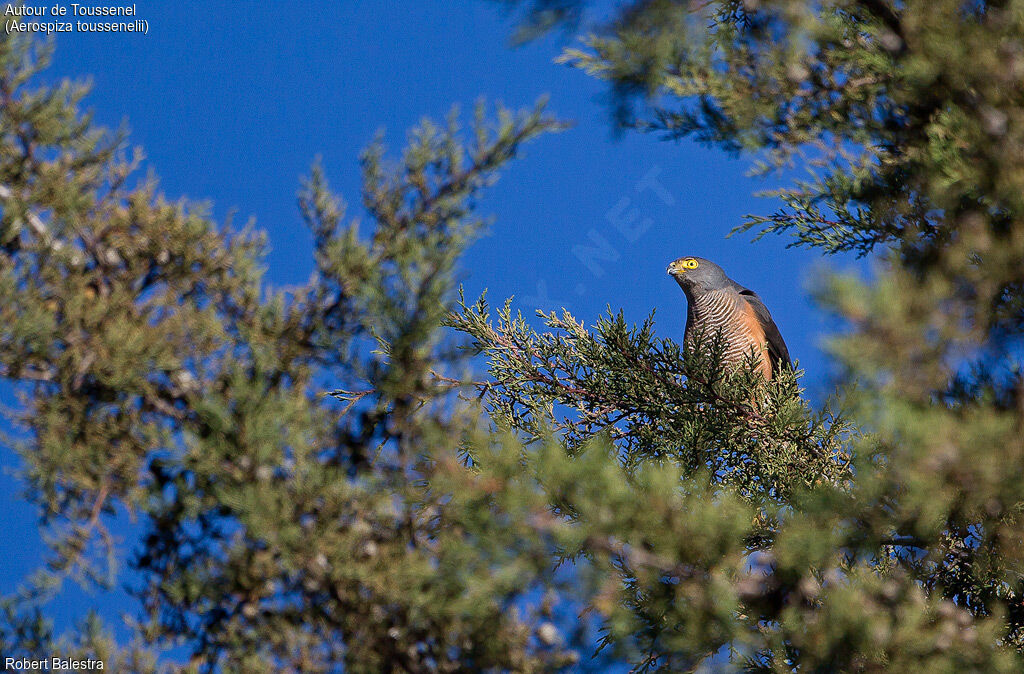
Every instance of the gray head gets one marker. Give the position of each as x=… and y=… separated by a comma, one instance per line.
x=696, y=276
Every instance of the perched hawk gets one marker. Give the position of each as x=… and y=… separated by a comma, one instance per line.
x=717, y=303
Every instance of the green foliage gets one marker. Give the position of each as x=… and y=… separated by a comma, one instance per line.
x=161, y=381
x=625, y=384
x=906, y=118
x=416, y=519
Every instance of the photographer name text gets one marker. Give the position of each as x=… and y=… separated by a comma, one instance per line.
x=54, y=664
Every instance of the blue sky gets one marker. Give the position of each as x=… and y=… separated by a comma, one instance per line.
x=232, y=101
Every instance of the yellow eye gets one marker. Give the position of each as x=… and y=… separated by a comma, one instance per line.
x=690, y=263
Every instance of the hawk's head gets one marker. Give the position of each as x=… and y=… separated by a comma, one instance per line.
x=697, y=275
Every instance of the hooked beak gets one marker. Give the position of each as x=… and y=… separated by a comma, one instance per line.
x=672, y=269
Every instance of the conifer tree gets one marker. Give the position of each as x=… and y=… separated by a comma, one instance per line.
x=907, y=120
x=284, y=529
x=432, y=517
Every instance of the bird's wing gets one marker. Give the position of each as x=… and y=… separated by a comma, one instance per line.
x=778, y=352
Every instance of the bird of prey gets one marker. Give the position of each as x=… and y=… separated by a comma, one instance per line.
x=717, y=303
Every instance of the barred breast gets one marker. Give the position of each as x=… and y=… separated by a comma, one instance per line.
x=726, y=311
